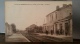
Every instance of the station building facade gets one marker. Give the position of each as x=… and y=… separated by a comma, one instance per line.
x=59, y=22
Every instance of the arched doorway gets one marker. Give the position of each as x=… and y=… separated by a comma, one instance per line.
x=61, y=30
x=67, y=28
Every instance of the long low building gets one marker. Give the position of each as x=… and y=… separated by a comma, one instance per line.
x=33, y=29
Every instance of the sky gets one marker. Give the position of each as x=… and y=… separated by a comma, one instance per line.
x=29, y=13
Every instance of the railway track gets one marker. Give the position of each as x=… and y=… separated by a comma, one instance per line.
x=37, y=38
x=31, y=38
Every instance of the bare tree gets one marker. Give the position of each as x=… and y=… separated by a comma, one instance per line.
x=13, y=28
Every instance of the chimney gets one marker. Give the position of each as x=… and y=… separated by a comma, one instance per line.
x=57, y=7
x=70, y=5
x=64, y=5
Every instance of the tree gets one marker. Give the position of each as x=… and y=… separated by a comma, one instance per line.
x=13, y=28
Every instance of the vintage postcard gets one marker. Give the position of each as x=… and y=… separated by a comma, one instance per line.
x=38, y=0
x=38, y=21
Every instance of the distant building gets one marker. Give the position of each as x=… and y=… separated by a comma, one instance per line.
x=8, y=29
x=59, y=22
x=31, y=28
x=34, y=29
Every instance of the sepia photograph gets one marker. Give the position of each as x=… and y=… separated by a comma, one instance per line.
x=31, y=21
x=38, y=0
